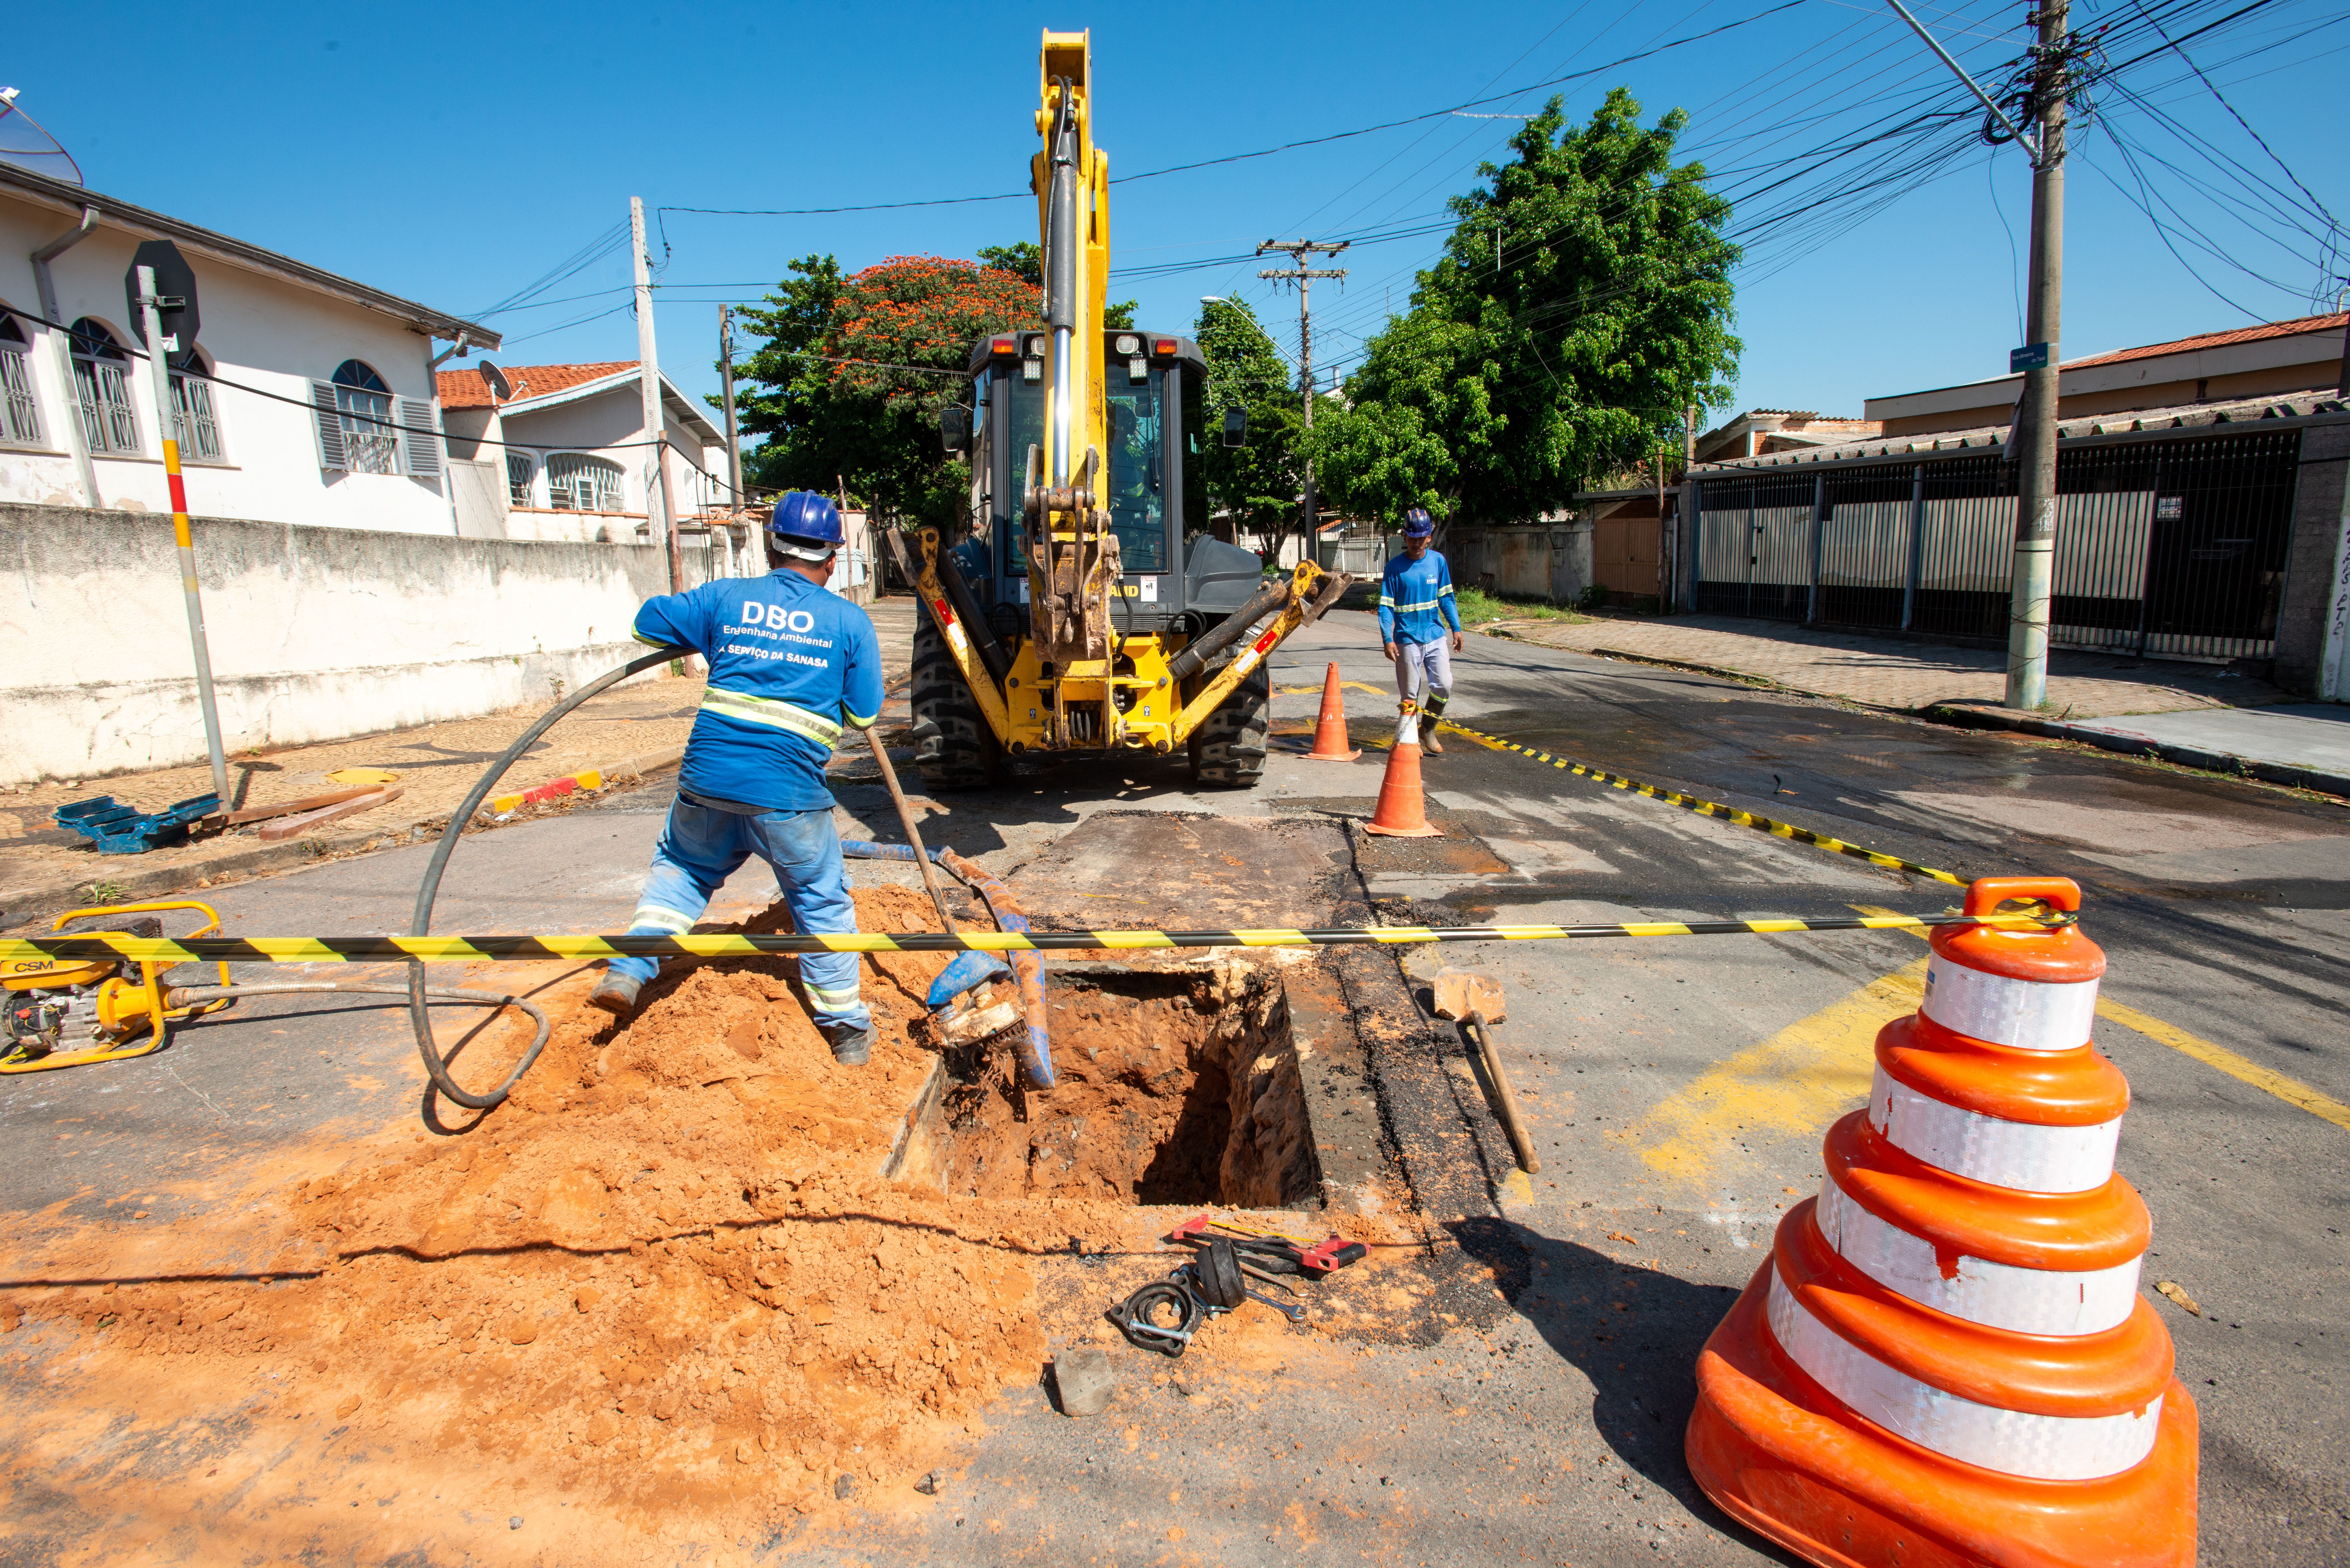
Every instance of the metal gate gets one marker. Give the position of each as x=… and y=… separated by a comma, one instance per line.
x=2169, y=549
x=1754, y=547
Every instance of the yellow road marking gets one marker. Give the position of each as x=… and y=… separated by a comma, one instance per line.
x=1797, y=1081
x=1343, y=686
x=2292, y=1091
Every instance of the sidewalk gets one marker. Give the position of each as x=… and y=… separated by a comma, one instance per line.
x=630, y=732
x=2211, y=717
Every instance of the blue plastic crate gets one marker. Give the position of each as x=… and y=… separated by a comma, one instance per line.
x=119, y=829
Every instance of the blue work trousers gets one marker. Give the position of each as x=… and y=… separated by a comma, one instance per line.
x=702, y=847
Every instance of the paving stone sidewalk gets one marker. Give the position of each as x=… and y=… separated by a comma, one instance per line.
x=1908, y=677
x=639, y=728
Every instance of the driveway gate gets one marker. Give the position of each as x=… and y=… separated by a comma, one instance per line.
x=2169, y=549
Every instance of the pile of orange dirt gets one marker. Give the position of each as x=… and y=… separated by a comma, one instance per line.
x=667, y=1274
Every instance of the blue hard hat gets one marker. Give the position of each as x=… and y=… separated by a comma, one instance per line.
x=804, y=519
x=1416, y=523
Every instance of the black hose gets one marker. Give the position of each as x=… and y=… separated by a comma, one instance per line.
x=182, y=996
x=421, y=923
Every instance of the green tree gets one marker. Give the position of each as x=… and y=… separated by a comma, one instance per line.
x=1582, y=302
x=850, y=381
x=1259, y=487
x=1025, y=259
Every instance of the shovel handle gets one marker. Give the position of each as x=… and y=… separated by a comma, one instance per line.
x=1512, y=1122
x=913, y=834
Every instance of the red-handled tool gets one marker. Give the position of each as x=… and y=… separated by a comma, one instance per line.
x=1307, y=1257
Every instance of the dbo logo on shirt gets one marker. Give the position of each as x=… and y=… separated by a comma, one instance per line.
x=756, y=614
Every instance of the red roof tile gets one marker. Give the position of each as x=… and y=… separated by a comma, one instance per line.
x=468, y=390
x=2293, y=329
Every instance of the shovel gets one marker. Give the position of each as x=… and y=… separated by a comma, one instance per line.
x=1465, y=996
x=960, y=1020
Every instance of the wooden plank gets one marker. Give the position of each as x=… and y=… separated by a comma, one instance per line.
x=287, y=827
x=307, y=803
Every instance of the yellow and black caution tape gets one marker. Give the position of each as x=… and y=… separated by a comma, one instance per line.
x=1711, y=808
x=26, y=953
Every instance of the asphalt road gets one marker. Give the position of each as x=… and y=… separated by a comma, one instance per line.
x=1677, y=1090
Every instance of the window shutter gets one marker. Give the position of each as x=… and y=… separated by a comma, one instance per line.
x=423, y=442
x=329, y=422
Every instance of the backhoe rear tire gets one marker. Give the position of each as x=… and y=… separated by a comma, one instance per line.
x=953, y=747
x=1228, y=749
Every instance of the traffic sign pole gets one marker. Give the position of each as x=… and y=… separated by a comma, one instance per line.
x=159, y=351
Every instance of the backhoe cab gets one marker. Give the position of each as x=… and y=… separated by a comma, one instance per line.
x=1088, y=609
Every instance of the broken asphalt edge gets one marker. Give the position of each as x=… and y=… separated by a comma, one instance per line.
x=34, y=900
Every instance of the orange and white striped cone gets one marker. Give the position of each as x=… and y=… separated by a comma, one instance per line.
x=1946, y=1360
x=1402, y=809
x=1330, y=726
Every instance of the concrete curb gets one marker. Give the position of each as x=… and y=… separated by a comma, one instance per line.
x=36, y=899
x=1966, y=716
x=1963, y=716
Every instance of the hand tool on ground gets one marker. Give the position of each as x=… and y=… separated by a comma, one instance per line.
x=959, y=1023
x=1273, y=1248
x=1466, y=996
x=1136, y=1317
x=1221, y=1279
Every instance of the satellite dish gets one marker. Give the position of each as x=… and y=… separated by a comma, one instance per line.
x=500, y=388
x=24, y=143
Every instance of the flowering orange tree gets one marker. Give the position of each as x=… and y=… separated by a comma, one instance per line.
x=848, y=384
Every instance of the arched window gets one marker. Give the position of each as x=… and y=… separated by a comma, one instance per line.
x=579, y=483
x=520, y=471
x=370, y=439
x=102, y=387
x=20, y=412
x=193, y=424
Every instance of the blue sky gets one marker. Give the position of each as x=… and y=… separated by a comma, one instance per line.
x=455, y=154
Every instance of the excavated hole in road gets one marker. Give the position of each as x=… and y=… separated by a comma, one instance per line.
x=1175, y=1088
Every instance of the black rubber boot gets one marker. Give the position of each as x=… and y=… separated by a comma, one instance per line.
x=616, y=994
x=852, y=1043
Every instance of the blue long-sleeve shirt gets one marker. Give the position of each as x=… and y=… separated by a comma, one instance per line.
x=1416, y=600
x=789, y=663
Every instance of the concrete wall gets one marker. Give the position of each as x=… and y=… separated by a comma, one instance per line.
x=2312, y=636
x=316, y=633
x=1543, y=560
x=266, y=334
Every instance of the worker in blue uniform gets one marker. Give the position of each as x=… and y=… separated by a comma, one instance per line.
x=789, y=664
x=1416, y=606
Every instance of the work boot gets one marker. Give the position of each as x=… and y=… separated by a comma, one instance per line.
x=1428, y=740
x=616, y=994
x=852, y=1043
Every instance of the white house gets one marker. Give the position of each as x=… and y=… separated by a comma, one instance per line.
x=559, y=451
x=305, y=398
x=349, y=585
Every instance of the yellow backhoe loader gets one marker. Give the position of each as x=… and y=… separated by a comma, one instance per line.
x=1089, y=609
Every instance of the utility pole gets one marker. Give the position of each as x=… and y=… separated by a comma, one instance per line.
x=1300, y=252
x=2033, y=439
x=656, y=497
x=2035, y=491
x=726, y=381
x=733, y=435
x=160, y=350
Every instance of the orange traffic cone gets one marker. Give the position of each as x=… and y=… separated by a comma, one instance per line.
x=1330, y=729
x=1402, y=811
x=1946, y=1359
